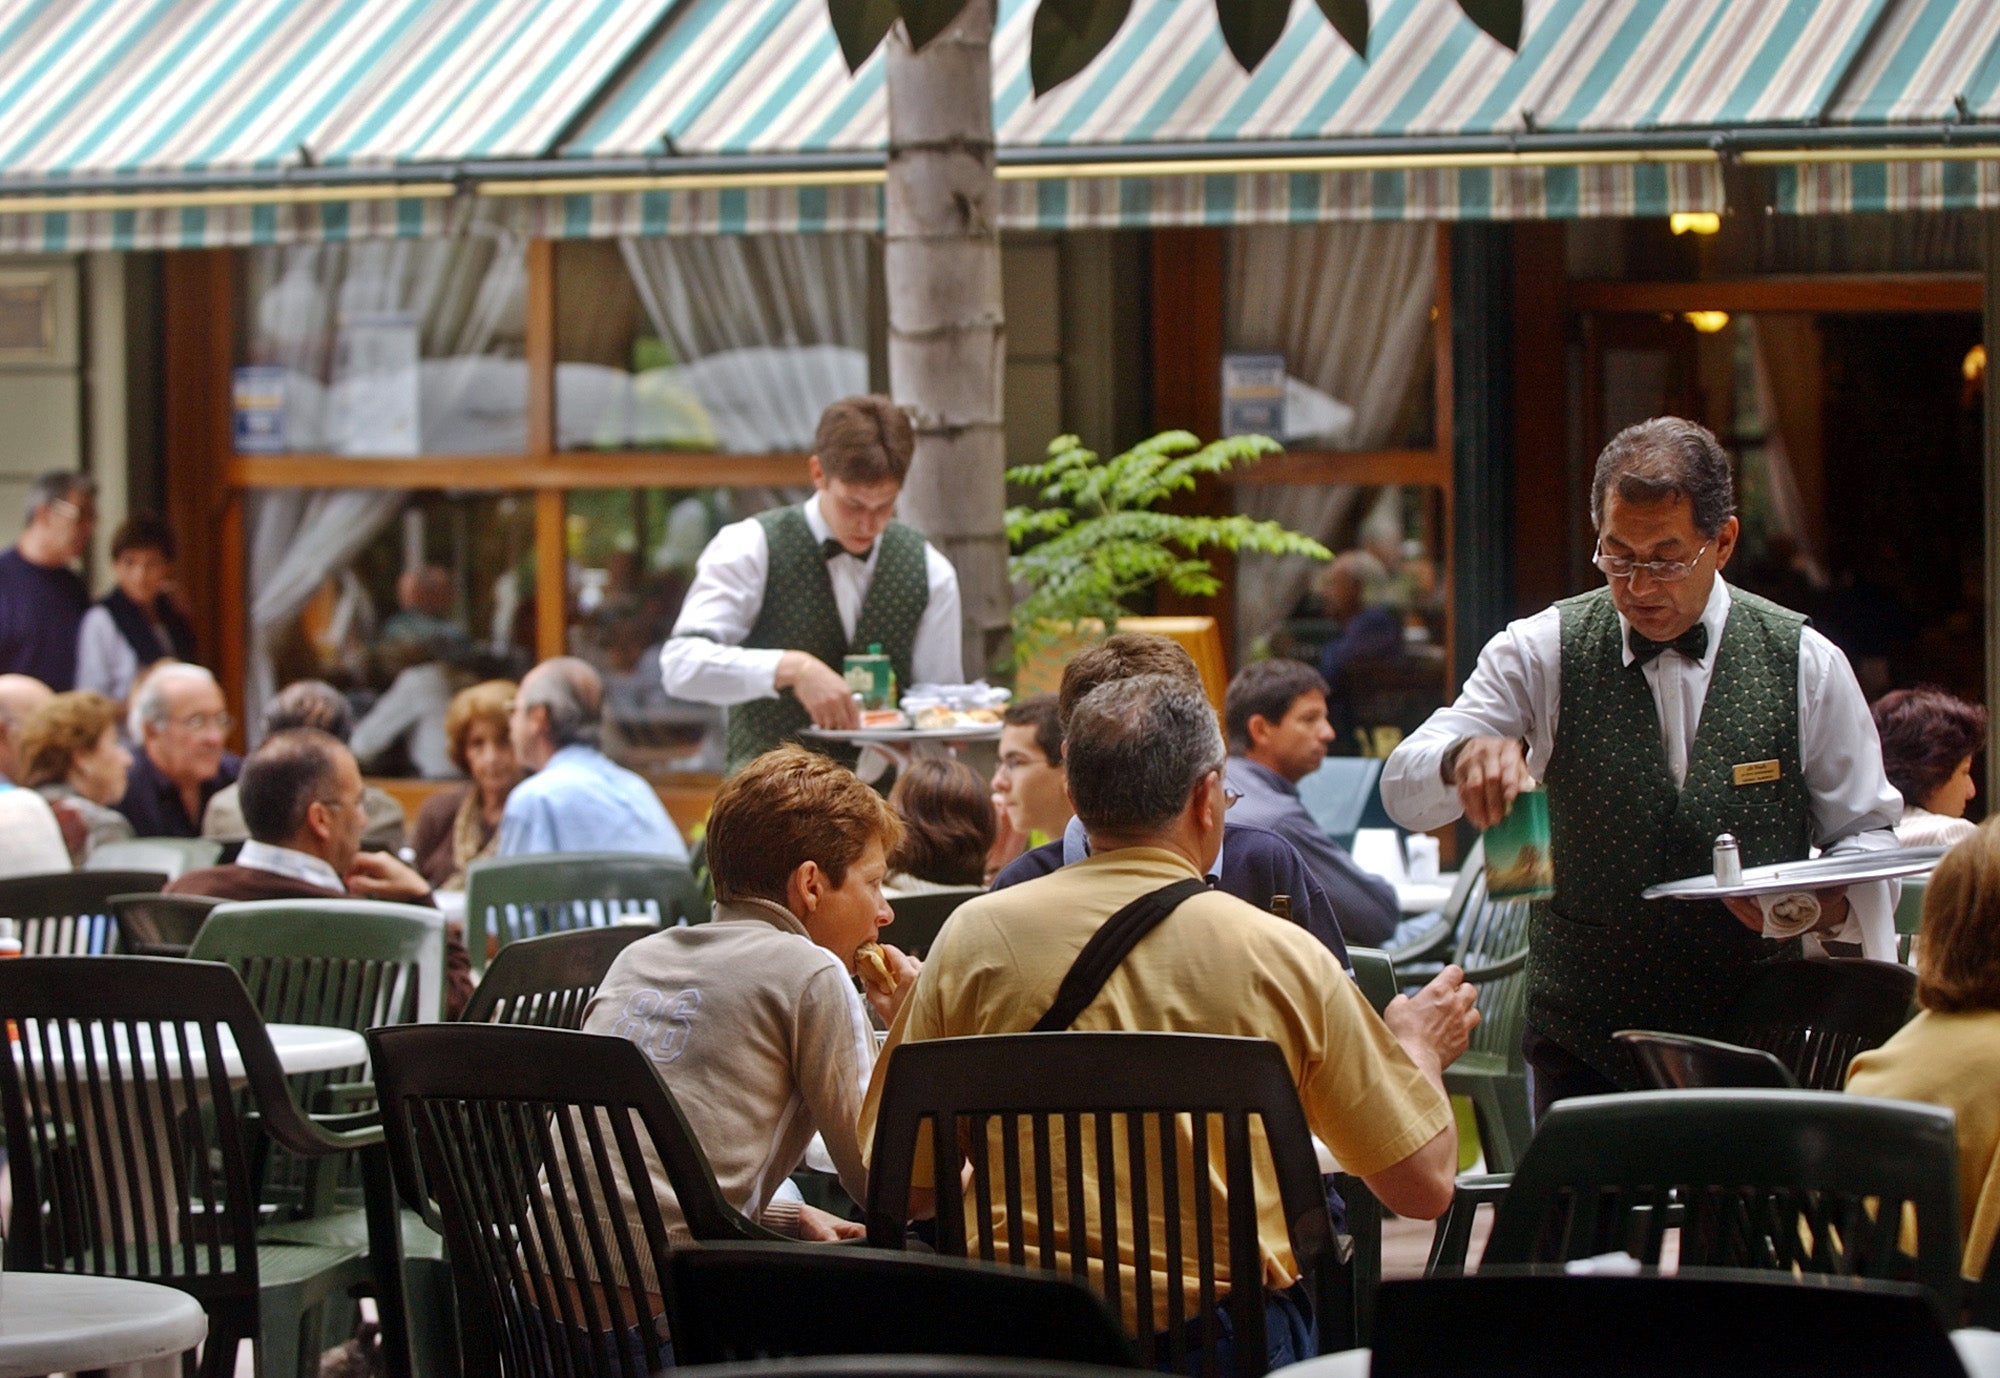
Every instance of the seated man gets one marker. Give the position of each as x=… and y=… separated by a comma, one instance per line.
x=752, y=1018
x=1145, y=774
x=1254, y=864
x=310, y=703
x=301, y=793
x=179, y=721
x=1278, y=733
x=577, y=800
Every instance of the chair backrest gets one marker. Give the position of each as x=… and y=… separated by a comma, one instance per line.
x=1044, y=1119
x=1910, y=914
x=159, y=925
x=1375, y=974
x=1492, y=946
x=1811, y=1180
x=68, y=913
x=738, y=1302
x=534, y=1146
x=507, y=898
x=919, y=917
x=1704, y=1324
x=1815, y=1016
x=126, y=1141
x=548, y=981
x=1339, y=793
x=1682, y=1062
x=351, y=964
x=172, y=855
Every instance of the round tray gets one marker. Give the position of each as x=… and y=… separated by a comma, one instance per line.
x=893, y=736
x=1820, y=873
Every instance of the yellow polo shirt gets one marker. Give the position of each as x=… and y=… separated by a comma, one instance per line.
x=1217, y=965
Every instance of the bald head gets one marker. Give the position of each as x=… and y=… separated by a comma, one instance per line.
x=20, y=695
x=561, y=703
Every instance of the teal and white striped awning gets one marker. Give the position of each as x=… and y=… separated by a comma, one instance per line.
x=1606, y=110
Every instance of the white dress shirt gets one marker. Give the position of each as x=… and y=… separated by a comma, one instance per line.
x=283, y=861
x=705, y=659
x=1516, y=691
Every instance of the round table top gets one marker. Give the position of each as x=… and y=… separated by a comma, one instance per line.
x=1978, y=1350
x=63, y=1322
x=300, y=1048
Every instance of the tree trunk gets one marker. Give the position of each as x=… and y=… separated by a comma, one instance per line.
x=947, y=342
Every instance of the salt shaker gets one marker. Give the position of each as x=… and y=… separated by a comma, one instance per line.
x=1728, y=860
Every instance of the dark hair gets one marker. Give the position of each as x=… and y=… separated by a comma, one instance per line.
x=143, y=531
x=788, y=807
x=865, y=439
x=1265, y=689
x=283, y=778
x=1136, y=748
x=1958, y=962
x=948, y=822
x=1122, y=655
x=1664, y=459
x=1925, y=734
x=310, y=703
x=1038, y=711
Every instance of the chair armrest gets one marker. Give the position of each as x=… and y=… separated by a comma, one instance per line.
x=1453, y=1239
x=1506, y=966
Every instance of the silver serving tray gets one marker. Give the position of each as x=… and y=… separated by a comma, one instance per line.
x=889, y=736
x=1820, y=873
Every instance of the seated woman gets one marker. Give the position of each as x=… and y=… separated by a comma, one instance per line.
x=1949, y=1055
x=70, y=751
x=948, y=825
x=1928, y=741
x=461, y=825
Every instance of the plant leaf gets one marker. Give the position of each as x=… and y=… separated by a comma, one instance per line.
x=1068, y=34
x=1350, y=19
x=1500, y=18
x=926, y=19
x=1252, y=27
x=860, y=25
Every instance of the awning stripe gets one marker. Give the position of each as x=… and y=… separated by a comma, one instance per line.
x=1925, y=55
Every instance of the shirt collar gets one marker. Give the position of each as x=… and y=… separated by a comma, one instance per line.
x=1714, y=616
x=816, y=522
x=283, y=861
x=1263, y=775
x=1076, y=846
x=755, y=910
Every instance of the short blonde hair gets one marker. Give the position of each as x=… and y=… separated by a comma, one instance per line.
x=788, y=807
x=66, y=727
x=1958, y=961
x=488, y=701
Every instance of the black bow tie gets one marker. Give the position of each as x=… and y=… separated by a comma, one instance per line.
x=1692, y=643
x=831, y=549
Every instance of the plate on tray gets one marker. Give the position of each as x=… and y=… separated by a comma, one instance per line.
x=892, y=736
x=1819, y=873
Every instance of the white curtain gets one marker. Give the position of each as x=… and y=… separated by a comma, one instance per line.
x=1349, y=306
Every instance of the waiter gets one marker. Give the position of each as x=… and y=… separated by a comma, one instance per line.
x=1658, y=711
x=780, y=600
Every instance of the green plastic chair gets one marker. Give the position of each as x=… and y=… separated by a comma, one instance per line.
x=1909, y=916
x=1493, y=1072
x=1422, y=960
x=1812, y=1181
x=68, y=913
x=525, y=896
x=173, y=855
x=919, y=917
x=1375, y=974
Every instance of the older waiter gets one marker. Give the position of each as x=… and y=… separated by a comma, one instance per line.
x=780, y=600
x=1658, y=711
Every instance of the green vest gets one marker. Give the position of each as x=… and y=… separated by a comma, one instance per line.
x=799, y=614
x=1601, y=958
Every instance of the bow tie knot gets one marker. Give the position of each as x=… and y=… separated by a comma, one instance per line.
x=1692, y=643
x=831, y=549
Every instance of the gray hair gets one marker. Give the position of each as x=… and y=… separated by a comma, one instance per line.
x=1664, y=459
x=310, y=703
x=56, y=486
x=1135, y=748
x=571, y=693
x=149, y=705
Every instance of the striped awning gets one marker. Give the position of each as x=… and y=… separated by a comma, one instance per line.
x=96, y=89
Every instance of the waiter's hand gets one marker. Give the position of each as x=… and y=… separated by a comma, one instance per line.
x=1832, y=911
x=1435, y=1025
x=820, y=689
x=1489, y=773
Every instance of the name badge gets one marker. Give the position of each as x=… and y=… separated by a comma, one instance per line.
x=1756, y=772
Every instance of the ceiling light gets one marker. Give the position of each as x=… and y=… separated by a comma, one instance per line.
x=1707, y=322
x=1695, y=222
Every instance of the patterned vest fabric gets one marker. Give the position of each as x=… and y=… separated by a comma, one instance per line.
x=1601, y=958
x=799, y=614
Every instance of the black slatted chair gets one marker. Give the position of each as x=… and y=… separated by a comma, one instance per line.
x=151, y=925
x=1814, y=1016
x=737, y=1302
x=548, y=981
x=68, y=913
x=530, y=1147
x=1682, y=1062
x=1044, y=1116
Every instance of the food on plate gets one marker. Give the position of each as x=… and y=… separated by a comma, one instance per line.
x=889, y=718
x=937, y=716
x=871, y=963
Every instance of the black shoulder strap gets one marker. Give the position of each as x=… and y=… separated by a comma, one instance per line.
x=1108, y=946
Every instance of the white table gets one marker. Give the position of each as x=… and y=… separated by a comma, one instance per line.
x=1348, y=1363
x=63, y=1323
x=300, y=1048
x=1423, y=896
x=1978, y=1350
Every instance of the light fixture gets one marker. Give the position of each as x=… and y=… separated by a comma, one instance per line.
x=1975, y=362
x=1707, y=322
x=1695, y=222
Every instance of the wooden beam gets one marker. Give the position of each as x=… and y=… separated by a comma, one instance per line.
x=551, y=575
x=580, y=469
x=539, y=343
x=1348, y=466
x=1846, y=293
x=1542, y=497
x=199, y=346
x=1444, y=435
x=1187, y=390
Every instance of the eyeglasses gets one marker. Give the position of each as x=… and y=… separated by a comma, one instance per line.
x=1229, y=798
x=201, y=722
x=72, y=511
x=1661, y=571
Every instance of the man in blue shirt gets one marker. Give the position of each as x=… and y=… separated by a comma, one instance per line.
x=577, y=800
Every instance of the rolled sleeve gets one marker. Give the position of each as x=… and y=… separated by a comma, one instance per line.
x=704, y=660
